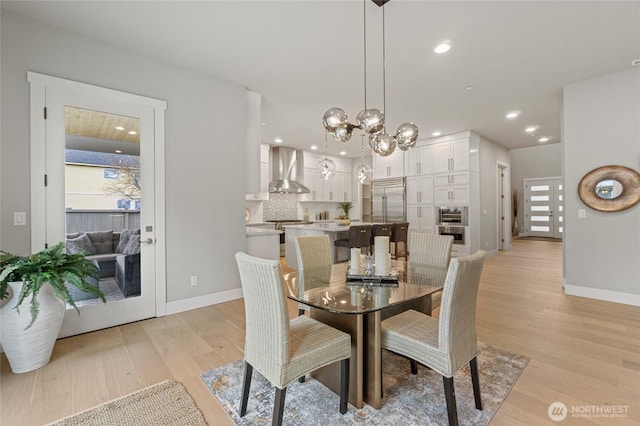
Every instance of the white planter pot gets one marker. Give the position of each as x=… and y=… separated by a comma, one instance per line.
x=30, y=349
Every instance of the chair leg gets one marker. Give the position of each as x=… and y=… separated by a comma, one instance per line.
x=278, y=406
x=301, y=379
x=414, y=366
x=246, y=384
x=450, y=396
x=475, y=380
x=344, y=385
x=300, y=312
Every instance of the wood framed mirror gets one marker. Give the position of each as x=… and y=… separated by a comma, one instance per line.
x=610, y=188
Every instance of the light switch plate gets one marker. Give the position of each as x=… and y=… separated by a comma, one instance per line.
x=19, y=218
x=582, y=213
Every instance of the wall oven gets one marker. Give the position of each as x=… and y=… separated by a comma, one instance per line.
x=453, y=216
x=457, y=232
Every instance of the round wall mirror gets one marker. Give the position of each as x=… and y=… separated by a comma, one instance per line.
x=610, y=188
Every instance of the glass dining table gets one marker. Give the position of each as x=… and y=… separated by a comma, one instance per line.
x=358, y=307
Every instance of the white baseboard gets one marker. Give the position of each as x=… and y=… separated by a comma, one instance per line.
x=600, y=294
x=202, y=301
x=491, y=253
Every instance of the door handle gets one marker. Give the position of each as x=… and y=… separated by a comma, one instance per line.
x=148, y=241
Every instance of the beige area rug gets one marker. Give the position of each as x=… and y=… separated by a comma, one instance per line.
x=166, y=403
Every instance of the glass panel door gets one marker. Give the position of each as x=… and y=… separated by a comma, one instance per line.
x=543, y=207
x=100, y=200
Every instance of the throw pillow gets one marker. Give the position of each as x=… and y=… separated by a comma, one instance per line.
x=133, y=246
x=125, y=234
x=102, y=241
x=81, y=244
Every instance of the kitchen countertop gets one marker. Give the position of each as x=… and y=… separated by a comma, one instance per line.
x=326, y=227
x=259, y=232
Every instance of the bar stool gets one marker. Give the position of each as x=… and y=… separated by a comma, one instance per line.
x=399, y=235
x=379, y=230
x=359, y=236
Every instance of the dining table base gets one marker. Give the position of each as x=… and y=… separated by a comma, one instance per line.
x=365, y=380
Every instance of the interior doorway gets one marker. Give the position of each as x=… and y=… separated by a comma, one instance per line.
x=96, y=187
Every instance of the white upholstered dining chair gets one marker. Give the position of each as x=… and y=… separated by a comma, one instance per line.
x=279, y=349
x=430, y=249
x=314, y=261
x=446, y=344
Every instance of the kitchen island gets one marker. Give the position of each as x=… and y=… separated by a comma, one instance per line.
x=263, y=243
x=333, y=230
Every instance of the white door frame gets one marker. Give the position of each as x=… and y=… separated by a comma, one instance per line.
x=504, y=208
x=39, y=83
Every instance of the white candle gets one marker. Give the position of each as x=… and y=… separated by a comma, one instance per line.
x=382, y=255
x=356, y=261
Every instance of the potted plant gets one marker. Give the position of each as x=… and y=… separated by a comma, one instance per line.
x=42, y=280
x=345, y=207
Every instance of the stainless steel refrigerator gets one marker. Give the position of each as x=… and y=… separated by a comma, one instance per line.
x=388, y=201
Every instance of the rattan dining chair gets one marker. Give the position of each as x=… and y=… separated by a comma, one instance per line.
x=314, y=261
x=446, y=344
x=430, y=249
x=282, y=350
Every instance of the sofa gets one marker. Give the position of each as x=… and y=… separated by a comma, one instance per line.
x=116, y=253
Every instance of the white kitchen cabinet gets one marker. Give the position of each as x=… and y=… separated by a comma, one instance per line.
x=420, y=189
x=455, y=178
x=389, y=166
x=451, y=156
x=419, y=160
x=451, y=195
x=313, y=181
x=421, y=219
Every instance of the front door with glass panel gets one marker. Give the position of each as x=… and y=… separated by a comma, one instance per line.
x=99, y=199
x=544, y=215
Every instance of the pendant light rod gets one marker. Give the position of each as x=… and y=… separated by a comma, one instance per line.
x=364, y=50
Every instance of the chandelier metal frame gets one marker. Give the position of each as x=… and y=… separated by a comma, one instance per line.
x=371, y=121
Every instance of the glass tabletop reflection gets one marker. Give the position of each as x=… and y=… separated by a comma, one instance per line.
x=327, y=288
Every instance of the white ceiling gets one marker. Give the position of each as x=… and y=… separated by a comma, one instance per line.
x=307, y=56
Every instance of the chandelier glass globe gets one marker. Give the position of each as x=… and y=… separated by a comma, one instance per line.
x=363, y=173
x=326, y=168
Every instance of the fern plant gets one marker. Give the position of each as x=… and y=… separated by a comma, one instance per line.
x=346, y=207
x=51, y=266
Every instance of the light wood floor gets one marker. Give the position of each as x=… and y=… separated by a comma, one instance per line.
x=583, y=351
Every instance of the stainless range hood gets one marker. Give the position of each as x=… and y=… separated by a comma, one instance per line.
x=287, y=167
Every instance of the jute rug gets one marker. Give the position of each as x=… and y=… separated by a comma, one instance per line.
x=408, y=399
x=166, y=403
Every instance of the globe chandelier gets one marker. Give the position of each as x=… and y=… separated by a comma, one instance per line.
x=371, y=121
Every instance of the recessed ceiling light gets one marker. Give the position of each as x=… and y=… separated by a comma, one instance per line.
x=343, y=152
x=117, y=151
x=543, y=139
x=132, y=132
x=512, y=114
x=530, y=129
x=314, y=147
x=264, y=123
x=436, y=133
x=470, y=87
x=442, y=48
x=119, y=128
x=278, y=140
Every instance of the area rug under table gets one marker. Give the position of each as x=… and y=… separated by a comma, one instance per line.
x=166, y=403
x=408, y=399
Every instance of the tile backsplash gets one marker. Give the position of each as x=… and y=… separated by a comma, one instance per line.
x=281, y=207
